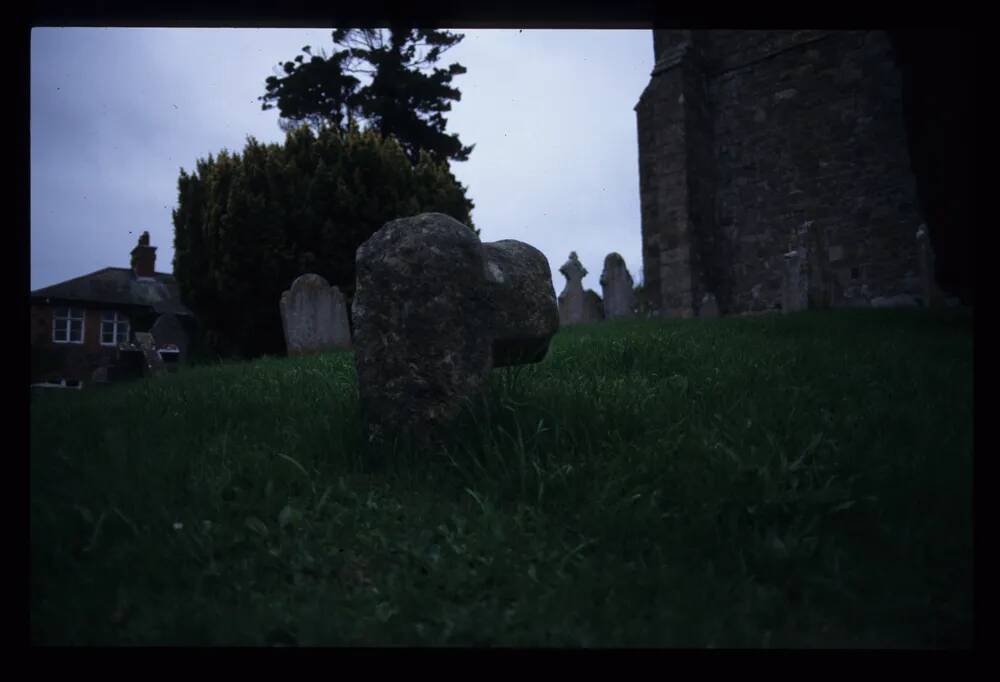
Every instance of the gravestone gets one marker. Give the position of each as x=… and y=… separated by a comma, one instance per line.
x=571, y=300
x=593, y=307
x=168, y=330
x=932, y=295
x=794, y=282
x=897, y=301
x=152, y=362
x=434, y=310
x=617, y=287
x=519, y=281
x=100, y=376
x=709, y=306
x=314, y=316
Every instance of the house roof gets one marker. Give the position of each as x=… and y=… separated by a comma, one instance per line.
x=119, y=286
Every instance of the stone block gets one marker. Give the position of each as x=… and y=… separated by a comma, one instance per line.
x=434, y=311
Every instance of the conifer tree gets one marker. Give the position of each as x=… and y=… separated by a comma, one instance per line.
x=406, y=97
x=247, y=224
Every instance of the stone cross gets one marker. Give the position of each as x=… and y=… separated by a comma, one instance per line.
x=314, y=316
x=617, y=287
x=434, y=311
x=571, y=305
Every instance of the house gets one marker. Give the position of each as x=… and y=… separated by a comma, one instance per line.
x=82, y=329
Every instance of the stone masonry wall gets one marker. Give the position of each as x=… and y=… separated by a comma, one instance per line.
x=781, y=139
x=663, y=190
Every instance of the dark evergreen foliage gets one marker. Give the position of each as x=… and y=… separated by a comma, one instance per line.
x=406, y=97
x=248, y=224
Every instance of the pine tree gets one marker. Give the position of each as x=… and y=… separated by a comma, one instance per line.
x=406, y=97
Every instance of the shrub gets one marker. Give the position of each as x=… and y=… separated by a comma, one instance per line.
x=248, y=224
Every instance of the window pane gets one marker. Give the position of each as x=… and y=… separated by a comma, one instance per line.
x=59, y=333
x=76, y=313
x=107, y=336
x=122, y=333
x=108, y=315
x=76, y=330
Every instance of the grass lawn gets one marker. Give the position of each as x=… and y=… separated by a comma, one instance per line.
x=773, y=481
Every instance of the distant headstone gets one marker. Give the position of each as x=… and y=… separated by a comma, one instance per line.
x=593, y=307
x=152, y=362
x=571, y=300
x=709, y=306
x=434, y=310
x=168, y=330
x=932, y=295
x=794, y=283
x=100, y=376
x=897, y=301
x=314, y=316
x=617, y=287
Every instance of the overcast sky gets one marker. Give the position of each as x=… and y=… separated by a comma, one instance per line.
x=117, y=112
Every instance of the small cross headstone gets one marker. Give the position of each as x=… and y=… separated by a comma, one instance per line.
x=571, y=300
x=434, y=311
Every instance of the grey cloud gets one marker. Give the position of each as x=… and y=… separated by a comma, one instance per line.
x=116, y=114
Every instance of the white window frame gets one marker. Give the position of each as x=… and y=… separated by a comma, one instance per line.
x=72, y=315
x=117, y=321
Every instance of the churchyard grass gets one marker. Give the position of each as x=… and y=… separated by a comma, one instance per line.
x=772, y=481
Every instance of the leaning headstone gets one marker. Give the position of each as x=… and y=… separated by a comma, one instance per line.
x=434, y=310
x=932, y=295
x=617, y=287
x=709, y=306
x=794, y=284
x=571, y=300
x=314, y=316
x=593, y=306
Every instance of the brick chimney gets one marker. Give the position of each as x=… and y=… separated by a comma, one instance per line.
x=144, y=257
